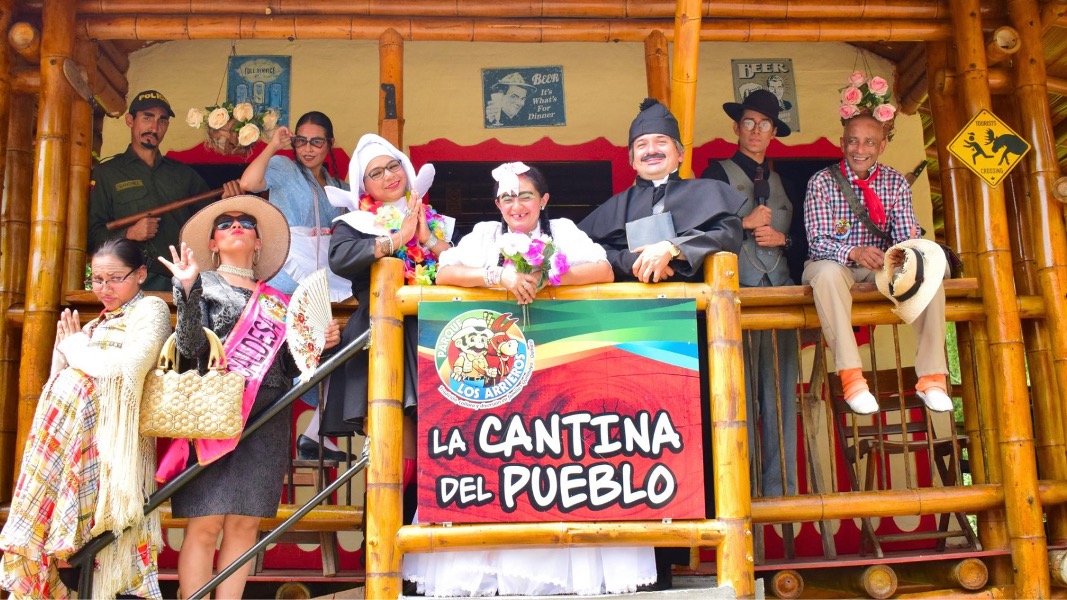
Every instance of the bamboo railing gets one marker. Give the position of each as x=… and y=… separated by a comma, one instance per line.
x=1016, y=444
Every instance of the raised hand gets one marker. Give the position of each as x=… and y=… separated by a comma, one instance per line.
x=410, y=224
x=183, y=266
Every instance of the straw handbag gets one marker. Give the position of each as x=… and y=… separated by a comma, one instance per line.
x=190, y=405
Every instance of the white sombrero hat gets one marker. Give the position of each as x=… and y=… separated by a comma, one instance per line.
x=271, y=228
x=913, y=285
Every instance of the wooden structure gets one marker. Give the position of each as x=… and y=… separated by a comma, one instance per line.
x=954, y=58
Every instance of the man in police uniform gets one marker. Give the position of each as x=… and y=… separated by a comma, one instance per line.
x=141, y=179
x=766, y=216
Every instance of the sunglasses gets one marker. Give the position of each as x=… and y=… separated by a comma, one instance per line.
x=225, y=222
x=300, y=141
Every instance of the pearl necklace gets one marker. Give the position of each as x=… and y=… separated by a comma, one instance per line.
x=247, y=273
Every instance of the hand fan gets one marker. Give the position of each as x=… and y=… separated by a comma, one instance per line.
x=306, y=321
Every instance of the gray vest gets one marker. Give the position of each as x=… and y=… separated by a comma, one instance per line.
x=755, y=261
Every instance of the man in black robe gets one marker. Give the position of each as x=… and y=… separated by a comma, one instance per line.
x=704, y=214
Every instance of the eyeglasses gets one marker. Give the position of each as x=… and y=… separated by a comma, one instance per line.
x=225, y=222
x=99, y=283
x=750, y=124
x=376, y=174
x=300, y=141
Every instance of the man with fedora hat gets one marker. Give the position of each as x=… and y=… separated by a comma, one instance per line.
x=680, y=222
x=141, y=179
x=766, y=216
x=860, y=221
x=506, y=101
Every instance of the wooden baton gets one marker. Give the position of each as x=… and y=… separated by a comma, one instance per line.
x=166, y=208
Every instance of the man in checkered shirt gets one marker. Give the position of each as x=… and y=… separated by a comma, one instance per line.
x=843, y=250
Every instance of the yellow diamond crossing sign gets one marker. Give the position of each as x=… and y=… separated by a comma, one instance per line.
x=989, y=147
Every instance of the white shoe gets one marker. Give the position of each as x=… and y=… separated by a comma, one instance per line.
x=863, y=403
x=936, y=400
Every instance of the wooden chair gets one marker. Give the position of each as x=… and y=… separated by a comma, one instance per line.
x=875, y=438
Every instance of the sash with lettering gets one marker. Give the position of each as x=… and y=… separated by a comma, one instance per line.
x=261, y=326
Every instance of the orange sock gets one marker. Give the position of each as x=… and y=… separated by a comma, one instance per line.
x=852, y=382
x=931, y=381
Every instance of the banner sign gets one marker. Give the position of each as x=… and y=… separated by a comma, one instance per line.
x=563, y=411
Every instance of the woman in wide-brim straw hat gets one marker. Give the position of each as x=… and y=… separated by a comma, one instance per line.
x=228, y=250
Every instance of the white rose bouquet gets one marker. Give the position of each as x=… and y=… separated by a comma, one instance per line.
x=240, y=121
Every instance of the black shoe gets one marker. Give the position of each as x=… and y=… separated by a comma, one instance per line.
x=308, y=449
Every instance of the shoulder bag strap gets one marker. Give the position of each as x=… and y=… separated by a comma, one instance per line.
x=854, y=203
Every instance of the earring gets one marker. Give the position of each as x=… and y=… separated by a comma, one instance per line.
x=543, y=206
x=255, y=258
x=215, y=259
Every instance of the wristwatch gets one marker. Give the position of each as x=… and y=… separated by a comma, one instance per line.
x=788, y=242
x=675, y=251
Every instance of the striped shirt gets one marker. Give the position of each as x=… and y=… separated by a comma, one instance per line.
x=833, y=229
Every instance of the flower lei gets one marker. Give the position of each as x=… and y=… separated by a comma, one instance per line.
x=863, y=96
x=248, y=125
x=420, y=266
x=529, y=253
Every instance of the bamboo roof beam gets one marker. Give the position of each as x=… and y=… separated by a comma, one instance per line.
x=1052, y=12
x=26, y=81
x=1015, y=442
x=910, y=101
x=118, y=57
x=657, y=68
x=162, y=28
x=48, y=210
x=26, y=40
x=620, y=9
x=113, y=103
x=1002, y=44
x=1059, y=189
x=111, y=73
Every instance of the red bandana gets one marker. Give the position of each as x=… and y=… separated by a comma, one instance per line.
x=870, y=199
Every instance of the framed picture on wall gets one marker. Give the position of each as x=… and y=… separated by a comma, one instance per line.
x=773, y=74
x=262, y=81
x=523, y=97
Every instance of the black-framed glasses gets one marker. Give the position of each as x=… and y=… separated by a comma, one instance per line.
x=224, y=222
x=750, y=124
x=113, y=282
x=376, y=174
x=300, y=141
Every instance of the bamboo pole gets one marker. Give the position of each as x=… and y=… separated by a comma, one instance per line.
x=1023, y=508
x=880, y=503
x=186, y=27
x=1002, y=45
x=875, y=581
x=391, y=72
x=435, y=538
x=116, y=56
x=1059, y=189
x=49, y=211
x=17, y=125
x=26, y=40
x=385, y=417
x=1051, y=12
x=111, y=73
x=684, y=77
x=113, y=103
x=969, y=573
x=657, y=68
x=787, y=584
x=915, y=96
x=81, y=164
x=26, y=81
x=1049, y=252
x=1057, y=566
x=729, y=432
x=977, y=389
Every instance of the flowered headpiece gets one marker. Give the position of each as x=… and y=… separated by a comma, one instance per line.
x=507, y=177
x=248, y=125
x=863, y=96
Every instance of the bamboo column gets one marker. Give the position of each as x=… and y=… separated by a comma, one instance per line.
x=81, y=164
x=684, y=76
x=14, y=249
x=1050, y=253
x=729, y=432
x=49, y=210
x=657, y=68
x=1024, y=515
x=386, y=422
x=391, y=72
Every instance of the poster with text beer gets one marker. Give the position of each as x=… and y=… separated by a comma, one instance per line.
x=567, y=411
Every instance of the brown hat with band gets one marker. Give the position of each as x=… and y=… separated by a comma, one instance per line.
x=271, y=228
x=763, y=102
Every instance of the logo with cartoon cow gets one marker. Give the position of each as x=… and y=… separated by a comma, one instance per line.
x=483, y=359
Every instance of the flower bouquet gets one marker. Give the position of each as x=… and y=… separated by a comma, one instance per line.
x=420, y=265
x=867, y=96
x=233, y=128
x=533, y=253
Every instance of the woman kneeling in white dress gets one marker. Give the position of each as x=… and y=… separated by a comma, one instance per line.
x=475, y=262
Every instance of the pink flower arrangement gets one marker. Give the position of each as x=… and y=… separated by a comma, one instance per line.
x=530, y=254
x=866, y=96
